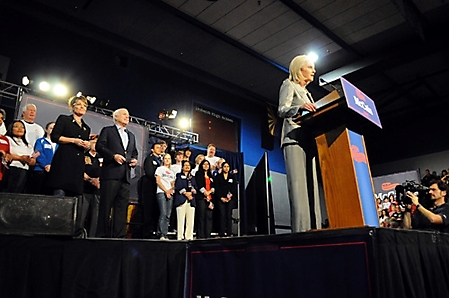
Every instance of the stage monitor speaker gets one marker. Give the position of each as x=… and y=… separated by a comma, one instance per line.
x=27, y=214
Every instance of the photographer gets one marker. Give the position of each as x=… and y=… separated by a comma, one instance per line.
x=435, y=218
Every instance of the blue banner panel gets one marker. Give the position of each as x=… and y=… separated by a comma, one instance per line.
x=364, y=182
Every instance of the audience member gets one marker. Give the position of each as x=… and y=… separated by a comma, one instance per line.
x=204, y=199
x=44, y=149
x=386, y=203
x=198, y=159
x=21, y=157
x=384, y=219
x=4, y=155
x=117, y=146
x=165, y=180
x=396, y=217
x=218, y=167
x=34, y=130
x=185, y=191
x=210, y=156
x=188, y=156
x=147, y=212
x=163, y=146
x=225, y=191
x=177, y=166
x=91, y=194
x=72, y=134
x=2, y=122
x=425, y=180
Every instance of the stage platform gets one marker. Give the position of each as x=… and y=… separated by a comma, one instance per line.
x=360, y=262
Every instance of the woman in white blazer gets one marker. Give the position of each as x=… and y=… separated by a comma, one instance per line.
x=299, y=146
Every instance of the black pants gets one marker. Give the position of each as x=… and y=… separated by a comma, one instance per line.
x=224, y=218
x=204, y=219
x=16, y=180
x=89, y=212
x=113, y=205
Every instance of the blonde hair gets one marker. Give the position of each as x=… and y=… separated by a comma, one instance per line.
x=198, y=157
x=167, y=154
x=295, y=68
x=74, y=99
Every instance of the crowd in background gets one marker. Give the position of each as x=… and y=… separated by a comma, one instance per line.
x=184, y=196
x=391, y=211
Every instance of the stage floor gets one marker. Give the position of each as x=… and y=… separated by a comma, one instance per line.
x=358, y=262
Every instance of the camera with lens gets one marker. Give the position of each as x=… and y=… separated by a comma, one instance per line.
x=409, y=185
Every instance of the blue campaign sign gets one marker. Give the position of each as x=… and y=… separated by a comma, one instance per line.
x=364, y=181
x=359, y=102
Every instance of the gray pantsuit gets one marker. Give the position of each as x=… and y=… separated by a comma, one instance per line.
x=299, y=154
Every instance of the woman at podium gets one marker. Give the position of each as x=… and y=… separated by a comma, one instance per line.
x=299, y=147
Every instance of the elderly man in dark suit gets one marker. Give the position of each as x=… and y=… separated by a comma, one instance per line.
x=117, y=146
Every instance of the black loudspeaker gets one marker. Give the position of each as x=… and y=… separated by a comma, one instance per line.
x=26, y=214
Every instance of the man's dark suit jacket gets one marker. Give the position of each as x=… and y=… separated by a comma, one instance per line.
x=110, y=143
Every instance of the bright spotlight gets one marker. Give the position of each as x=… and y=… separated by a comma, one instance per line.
x=60, y=90
x=26, y=81
x=184, y=123
x=313, y=57
x=44, y=86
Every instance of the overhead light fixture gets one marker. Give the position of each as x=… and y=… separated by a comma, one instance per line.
x=26, y=81
x=56, y=88
x=312, y=56
x=60, y=90
x=44, y=86
x=90, y=99
x=164, y=114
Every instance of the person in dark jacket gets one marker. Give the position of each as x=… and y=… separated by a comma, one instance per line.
x=225, y=192
x=185, y=190
x=117, y=146
x=204, y=199
x=66, y=175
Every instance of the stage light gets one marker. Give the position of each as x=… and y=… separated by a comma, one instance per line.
x=312, y=56
x=60, y=90
x=44, y=86
x=91, y=99
x=173, y=114
x=26, y=81
x=184, y=123
x=164, y=114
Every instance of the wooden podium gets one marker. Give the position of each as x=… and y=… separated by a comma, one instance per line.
x=347, y=182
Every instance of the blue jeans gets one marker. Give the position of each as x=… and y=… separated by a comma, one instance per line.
x=165, y=207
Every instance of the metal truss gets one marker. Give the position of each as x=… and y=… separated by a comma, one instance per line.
x=13, y=93
x=175, y=135
x=10, y=93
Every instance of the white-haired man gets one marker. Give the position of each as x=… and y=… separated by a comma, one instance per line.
x=117, y=145
x=33, y=130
